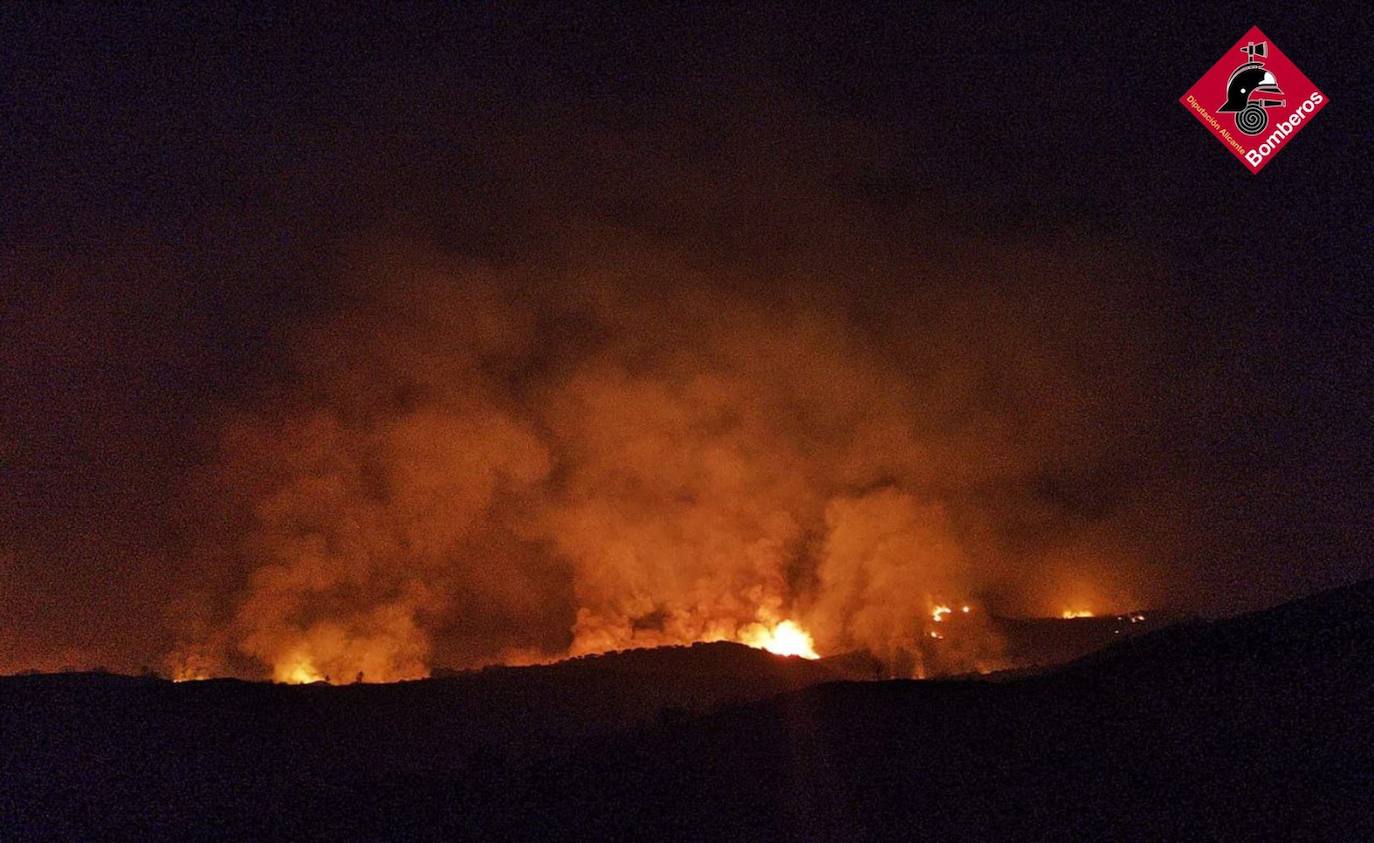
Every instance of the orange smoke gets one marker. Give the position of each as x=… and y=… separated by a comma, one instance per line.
x=473, y=465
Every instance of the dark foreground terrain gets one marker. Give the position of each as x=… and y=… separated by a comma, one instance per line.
x=1259, y=727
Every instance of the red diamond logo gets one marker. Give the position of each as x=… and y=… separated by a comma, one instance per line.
x=1254, y=100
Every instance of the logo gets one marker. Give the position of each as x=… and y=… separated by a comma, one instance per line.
x=1254, y=100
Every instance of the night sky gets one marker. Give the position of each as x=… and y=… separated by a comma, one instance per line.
x=211, y=224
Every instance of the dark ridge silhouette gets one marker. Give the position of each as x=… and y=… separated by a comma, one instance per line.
x=1257, y=727
x=1030, y=643
x=1027, y=645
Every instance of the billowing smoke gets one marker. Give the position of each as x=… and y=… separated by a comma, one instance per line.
x=396, y=341
x=616, y=444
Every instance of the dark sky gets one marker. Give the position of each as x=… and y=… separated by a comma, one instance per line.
x=181, y=187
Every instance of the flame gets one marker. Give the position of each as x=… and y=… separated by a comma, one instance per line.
x=785, y=638
x=190, y=665
x=297, y=670
x=938, y=613
x=1070, y=614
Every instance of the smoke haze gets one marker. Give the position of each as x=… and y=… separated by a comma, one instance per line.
x=398, y=341
x=617, y=441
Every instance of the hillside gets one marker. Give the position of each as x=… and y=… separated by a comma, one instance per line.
x=85, y=750
x=1255, y=726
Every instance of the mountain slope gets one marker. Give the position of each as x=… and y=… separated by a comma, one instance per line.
x=1254, y=727
x=82, y=752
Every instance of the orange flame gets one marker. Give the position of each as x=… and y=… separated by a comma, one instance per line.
x=296, y=670
x=784, y=639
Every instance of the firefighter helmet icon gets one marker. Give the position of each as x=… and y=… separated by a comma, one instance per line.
x=1249, y=79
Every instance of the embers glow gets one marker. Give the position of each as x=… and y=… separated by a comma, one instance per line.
x=784, y=639
x=297, y=671
x=190, y=666
x=938, y=613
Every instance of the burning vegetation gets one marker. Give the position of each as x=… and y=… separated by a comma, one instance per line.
x=784, y=639
x=612, y=447
x=451, y=480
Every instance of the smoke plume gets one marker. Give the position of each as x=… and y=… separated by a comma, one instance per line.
x=615, y=442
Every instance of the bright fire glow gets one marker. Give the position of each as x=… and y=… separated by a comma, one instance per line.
x=939, y=612
x=297, y=672
x=1070, y=614
x=189, y=666
x=784, y=639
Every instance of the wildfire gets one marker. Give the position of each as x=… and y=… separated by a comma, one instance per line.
x=784, y=639
x=297, y=671
x=191, y=665
x=938, y=613
x=1070, y=614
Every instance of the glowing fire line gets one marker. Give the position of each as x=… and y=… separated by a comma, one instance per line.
x=784, y=639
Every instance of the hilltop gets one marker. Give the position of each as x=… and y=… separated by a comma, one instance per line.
x=1252, y=726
